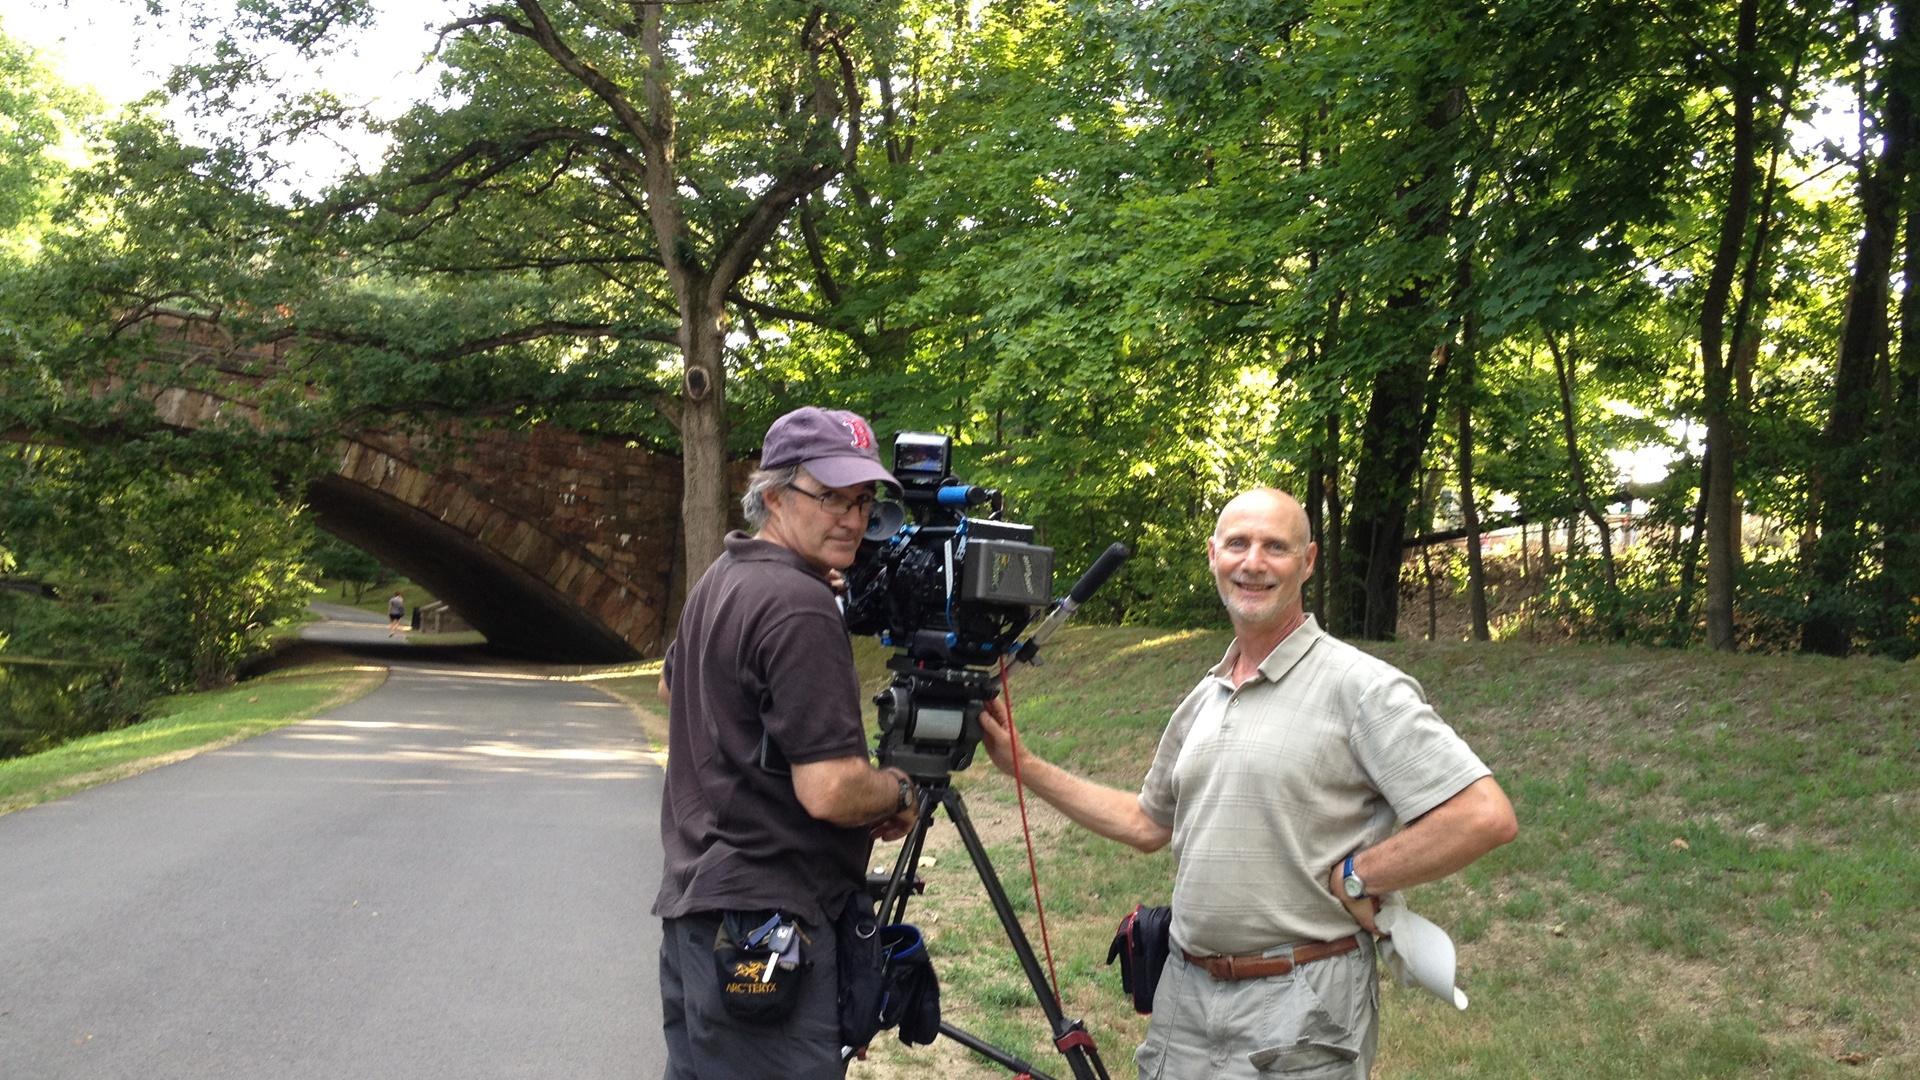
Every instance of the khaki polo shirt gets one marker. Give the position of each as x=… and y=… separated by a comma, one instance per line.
x=1326, y=750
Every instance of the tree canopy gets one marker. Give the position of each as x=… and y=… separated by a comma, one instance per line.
x=1431, y=266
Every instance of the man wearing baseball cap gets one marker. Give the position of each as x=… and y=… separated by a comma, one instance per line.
x=771, y=804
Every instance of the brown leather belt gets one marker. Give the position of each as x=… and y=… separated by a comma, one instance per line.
x=1232, y=968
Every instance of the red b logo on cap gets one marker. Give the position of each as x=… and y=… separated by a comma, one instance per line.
x=862, y=434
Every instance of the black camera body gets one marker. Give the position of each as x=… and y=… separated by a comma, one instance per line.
x=951, y=593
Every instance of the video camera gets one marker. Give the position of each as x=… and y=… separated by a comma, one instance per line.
x=951, y=593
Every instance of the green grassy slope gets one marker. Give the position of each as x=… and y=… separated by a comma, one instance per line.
x=1716, y=874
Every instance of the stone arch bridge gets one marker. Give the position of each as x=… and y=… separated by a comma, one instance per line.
x=554, y=544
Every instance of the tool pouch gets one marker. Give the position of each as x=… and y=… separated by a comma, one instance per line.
x=912, y=999
x=862, y=966
x=1141, y=946
x=760, y=960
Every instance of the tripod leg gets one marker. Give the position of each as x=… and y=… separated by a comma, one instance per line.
x=893, y=906
x=992, y=1053
x=1070, y=1036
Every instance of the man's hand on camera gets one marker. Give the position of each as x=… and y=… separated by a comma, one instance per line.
x=895, y=826
x=996, y=734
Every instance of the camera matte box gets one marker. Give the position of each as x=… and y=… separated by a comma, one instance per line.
x=1007, y=572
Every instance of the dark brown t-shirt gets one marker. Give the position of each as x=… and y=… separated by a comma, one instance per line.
x=762, y=650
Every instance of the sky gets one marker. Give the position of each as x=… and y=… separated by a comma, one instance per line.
x=114, y=48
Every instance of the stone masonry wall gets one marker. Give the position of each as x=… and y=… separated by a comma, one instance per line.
x=595, y=520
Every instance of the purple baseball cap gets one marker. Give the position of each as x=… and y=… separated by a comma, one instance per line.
x=835, y=446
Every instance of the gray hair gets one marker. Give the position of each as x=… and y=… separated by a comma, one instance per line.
x=754, y=503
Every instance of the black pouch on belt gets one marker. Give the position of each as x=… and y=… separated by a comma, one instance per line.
x=1141, y=946
x=912, y=999
x=760, y=959
x=862, y=967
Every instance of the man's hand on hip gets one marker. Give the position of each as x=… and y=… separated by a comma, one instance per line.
x=1363, y=909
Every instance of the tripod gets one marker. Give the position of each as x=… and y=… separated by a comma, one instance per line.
x=1069, y=1036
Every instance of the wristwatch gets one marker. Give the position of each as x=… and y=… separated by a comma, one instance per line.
x=906, y=794
x=1350, y=882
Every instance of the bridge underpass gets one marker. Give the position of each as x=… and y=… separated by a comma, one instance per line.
x=553, y=545
x=517, y=612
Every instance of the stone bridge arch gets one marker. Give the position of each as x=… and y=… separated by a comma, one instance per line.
x=553, y=544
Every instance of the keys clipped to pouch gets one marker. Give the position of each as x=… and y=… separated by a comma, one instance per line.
x=759, y=959
x=782, y=942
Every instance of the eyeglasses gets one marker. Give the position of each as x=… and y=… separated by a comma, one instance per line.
x=835, y=503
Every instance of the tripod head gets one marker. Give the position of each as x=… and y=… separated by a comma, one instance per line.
x=929, y=718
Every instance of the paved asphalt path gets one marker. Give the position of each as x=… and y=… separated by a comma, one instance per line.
x=447, y=878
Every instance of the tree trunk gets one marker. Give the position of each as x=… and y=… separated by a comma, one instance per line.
x=1333, y=523
x=1333, y=555
x=1469, y=505
x=1464, y=401
x=1690, y=556
x=1899, y=582
x=1723, y=506
x=1317, y=520
x=701, y=289
x=1401, y=405
x=1324, y=483
x=1840, y=472
x=1577, y=469
x=706, y=491
x=1425, y=515
x=1390, y=453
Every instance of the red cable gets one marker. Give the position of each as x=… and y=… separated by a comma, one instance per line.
x=1033, y=869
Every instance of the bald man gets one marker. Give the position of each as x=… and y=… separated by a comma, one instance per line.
x=1300, y=781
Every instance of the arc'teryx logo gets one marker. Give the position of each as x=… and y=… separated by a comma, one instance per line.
x=862, y=434
x=750, y=969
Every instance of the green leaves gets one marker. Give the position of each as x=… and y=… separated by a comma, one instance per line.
x=171, y=561
x=37, y=114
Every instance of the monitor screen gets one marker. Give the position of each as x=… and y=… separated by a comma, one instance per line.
x=921, y=455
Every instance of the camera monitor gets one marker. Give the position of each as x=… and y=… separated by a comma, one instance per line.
x=919, y=458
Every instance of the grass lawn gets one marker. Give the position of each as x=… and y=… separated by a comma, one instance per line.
x=181, y=726
x=1716, y=874
x=375, y=599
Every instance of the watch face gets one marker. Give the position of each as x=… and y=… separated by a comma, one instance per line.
x=1355, y=888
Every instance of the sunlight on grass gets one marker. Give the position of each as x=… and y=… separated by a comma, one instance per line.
x=648, y=668
x=1163, y=640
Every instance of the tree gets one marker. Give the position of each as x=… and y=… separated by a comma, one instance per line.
x=339, y=561
x=170, y=559
x=1856, y=422
x=599, y=180
x=36, y=114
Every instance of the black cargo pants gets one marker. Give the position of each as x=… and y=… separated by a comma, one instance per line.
x=704, y=1042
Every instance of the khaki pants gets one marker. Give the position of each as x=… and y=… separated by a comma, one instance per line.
x=1319, y=1021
